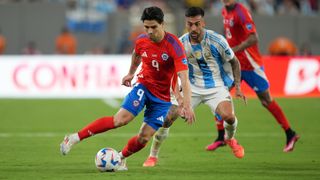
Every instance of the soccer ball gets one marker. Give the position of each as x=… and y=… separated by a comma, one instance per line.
x=107, y=160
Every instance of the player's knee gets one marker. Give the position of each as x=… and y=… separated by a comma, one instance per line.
x=143, y=138
x=228, y=117
x=265, y=103
x=167, y=123
x=121, y=120
x=161, y=136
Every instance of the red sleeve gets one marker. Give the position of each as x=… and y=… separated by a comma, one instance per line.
x=138, y=42
x=137, y=47
x=245, y=19
x=178, y=53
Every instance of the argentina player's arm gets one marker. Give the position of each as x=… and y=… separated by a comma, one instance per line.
x=135, y=62
x=235, y=65
x=229, y=56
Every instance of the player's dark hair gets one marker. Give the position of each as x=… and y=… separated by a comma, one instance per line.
x=194, y=11
x=152, y=13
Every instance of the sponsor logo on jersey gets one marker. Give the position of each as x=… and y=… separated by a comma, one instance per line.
x=144, y=54
x=164, y=56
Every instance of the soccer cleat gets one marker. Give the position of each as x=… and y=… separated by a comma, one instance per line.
x=150, y=162
x=68, y=142
x=237, y=149
x=123, y=165
x=215, y=145
x=290, y=145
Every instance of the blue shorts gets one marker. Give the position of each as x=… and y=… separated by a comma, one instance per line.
x=256, y=79
x=156, y=109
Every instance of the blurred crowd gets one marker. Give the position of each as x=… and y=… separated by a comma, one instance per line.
x=275, y=7
x=263, y=7
x=90, y=16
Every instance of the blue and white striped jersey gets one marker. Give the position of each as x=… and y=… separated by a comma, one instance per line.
x=208, y=61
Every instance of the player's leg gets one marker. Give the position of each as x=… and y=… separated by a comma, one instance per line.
x=225, y=110
x=154, y=115
x=136, y=143
x=220, y=102
x=163, y=132
x=273, y=107
x=98, y=126
x=127, y=113
x=160, y=136
x=258, y=81
x=219, y=141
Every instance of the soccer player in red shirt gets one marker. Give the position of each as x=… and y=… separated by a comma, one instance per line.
x=241, y=34
x=163, y=57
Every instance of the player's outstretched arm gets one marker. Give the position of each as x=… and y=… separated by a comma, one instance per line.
x=135, y=62
x=237, y=78
x=187, y=111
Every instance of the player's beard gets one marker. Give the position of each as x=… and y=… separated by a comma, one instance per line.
x=195, y=36
x=153, y=37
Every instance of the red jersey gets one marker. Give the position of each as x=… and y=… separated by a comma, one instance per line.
x=160, y=62
x=238, y=25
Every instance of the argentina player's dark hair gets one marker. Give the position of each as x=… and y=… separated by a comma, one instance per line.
x=194, y=11
x=152, y=13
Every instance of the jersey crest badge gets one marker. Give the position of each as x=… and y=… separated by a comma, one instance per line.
x=227, y=52
x=206, y=52
x=136, y=103
x=144, y=54
x=164, y=56
x=249, y=26
x=198, y=54
x=184, y=61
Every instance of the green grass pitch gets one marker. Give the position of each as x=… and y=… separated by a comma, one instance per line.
x=31, y=131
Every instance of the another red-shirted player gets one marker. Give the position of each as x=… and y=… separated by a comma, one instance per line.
x=241, y=34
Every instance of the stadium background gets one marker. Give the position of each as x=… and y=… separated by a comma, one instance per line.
x=34, y=121
x=110, y=27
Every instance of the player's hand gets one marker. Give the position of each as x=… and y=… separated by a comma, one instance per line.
x=188, y=114
x=240, y=95
x=126, y=80
x=180, y=101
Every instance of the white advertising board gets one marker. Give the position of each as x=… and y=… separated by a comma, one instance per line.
x=53, y=76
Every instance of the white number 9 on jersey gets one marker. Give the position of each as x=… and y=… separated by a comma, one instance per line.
x=155, y=64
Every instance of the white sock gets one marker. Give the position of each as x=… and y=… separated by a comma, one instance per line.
x=230, y=129
x=158, y=138
x=121, y=155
